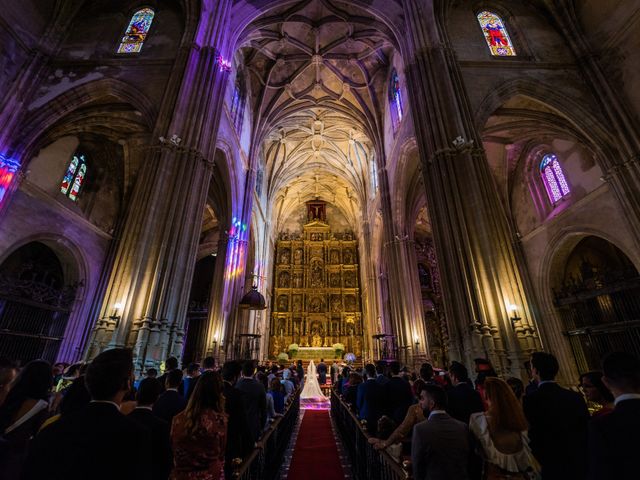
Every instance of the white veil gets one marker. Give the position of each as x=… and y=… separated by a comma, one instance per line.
x=311, y=386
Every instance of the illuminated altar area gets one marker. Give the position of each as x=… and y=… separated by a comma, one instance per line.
x=316, y=301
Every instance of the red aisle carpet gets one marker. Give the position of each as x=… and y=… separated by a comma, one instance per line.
x=315, y=456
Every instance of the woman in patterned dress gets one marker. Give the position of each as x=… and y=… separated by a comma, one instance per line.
x=199, y=433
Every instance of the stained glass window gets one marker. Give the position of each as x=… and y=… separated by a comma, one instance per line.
x=496, y=35
x=237, y=103
x=137, y=31
x=74, y=178
x=395, y=100
x=553, y=178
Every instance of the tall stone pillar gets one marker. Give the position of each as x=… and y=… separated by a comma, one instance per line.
x=146, y=300
x=406, y=310
x=623, y=171
x=479, y=274
x=369, y=292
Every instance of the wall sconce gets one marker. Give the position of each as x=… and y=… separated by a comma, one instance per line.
x=416, y=340
x=513, y=311
x=115, y=316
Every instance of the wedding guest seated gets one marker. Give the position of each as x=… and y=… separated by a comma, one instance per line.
x=614, y=439
x=596, y=392
x=170, y=403
x=25, y=409
x=8, y=372
x=557, y=422
x=199, y=433
x=105, y=443
x=148, y=392
x=439, y=445
x=501, y=433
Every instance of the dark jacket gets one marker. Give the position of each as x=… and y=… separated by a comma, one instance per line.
x=168, y=405
x=614, y=443
x=239, y=440
x=256, y=404
x=370, y=403
x=398, y=397
x=440, y=449
x=161, y=453
x=463, y=401
x=101, y=444
x=558, y=431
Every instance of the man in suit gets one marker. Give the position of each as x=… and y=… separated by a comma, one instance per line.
x=440, y=445
x=255, y=397
x=161, y=453
x=614, y=439
x=170, y=403
x=557, y=422
x=105, y=443
x=369, y=399
x=170, y=364
x=397, y=394
x=239, y=443
x=381, y=378
x=189, y=381
x=463, y=400
x=322, y=372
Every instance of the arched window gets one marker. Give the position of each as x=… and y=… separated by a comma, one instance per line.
x=395, y=100
x=237, y=103
x=74, y=178
x=137, y=31
x=496, y=35
x=553, y=178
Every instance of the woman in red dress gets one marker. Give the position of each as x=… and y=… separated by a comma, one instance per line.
x=199, y=433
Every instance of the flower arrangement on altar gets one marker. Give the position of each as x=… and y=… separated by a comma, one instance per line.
x=339, y=349
x=283, y=357
x=350, y=357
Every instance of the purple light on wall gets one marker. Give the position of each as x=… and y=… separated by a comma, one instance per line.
x=223, y=65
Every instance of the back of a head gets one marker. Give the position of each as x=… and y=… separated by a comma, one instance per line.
x=546, y=365
x=355, y=378
x=275, y=385
x=7, y=371
x=148, y=391
x=170, y=364
x=248, y=368
x=622, y=372
x=109, y=373
x=33, y=382
x=426, y=372
x=505, y=411
x=208, y=363
x=193, y=368
x=207, y=393
x=231, y=371
x=394, y=367
x=370, y=370
x=517, y=387
x=152, y=373
x=437, y=394
x=174, y=377
x=460, y=371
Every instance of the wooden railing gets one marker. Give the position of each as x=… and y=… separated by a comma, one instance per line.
x=265, y=461
x=367, y=463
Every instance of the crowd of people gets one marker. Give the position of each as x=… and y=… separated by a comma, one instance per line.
x=453, y=428
x=96, y=421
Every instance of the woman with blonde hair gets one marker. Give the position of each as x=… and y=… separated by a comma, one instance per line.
x=501, y=432
x=199, y=433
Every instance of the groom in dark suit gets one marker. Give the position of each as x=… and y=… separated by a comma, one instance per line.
x=322, y=372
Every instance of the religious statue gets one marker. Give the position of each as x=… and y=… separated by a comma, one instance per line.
x=335, y=303
x=283, y=280
x=334, y=280
x=283, y=303
x=297, y=280
x=335, y=257
x=315, y=305
x=350, y=303
x=297, y=303
x=349, y=279
x=348, y=256
x=316, y=341
x=297, y=256
x=284, y=256
x=316, y=276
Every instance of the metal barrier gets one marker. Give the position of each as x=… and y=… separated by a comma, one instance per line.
x=367, y=463
x=266, y=459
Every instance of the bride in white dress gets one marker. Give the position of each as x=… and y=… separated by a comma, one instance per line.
x=311, y=388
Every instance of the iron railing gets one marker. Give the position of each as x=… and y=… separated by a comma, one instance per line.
x=367, y=463
x=265, y=461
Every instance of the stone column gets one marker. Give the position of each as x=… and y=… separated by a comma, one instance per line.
x=479, y=272
x=369, y=292
x=623, y=171
x=156, y=254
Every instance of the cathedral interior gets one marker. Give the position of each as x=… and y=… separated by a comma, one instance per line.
x=408, y=179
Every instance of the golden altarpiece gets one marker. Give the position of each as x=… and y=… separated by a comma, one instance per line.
x=316, y=301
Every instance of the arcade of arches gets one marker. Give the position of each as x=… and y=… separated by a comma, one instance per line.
x=394, y=181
